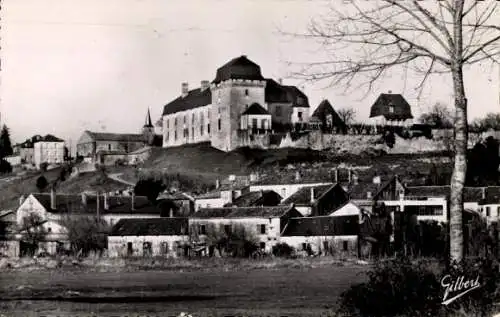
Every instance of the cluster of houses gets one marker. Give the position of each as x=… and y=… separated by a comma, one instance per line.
x=38, y=150
x=307, y=215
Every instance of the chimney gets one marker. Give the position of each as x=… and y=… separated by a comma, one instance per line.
x=312, y=195
x=280, y=81
x=185, y=89
x=171, y=213
x=106, y=203
x=390, y=91
x=369, y=195
x=133, y=201
x=205, y=84
x=297, y=176
x=483, y=192
x=84, y=199
x=21, y=200
x=336, y=173
x=53, y=199
x=217, y=184
x=349, y=173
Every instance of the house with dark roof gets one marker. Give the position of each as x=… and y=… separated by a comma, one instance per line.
x=168, y=237
x=326, y=119
x=319, y=200
x=96, y=146
x=239, y=103
x=256, y=199
x=48, y=149
x=391, y=109
x=264, y=222
x=323, y=234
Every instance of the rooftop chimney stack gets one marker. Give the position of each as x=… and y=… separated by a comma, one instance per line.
x=483, y=192
x=106, y=203
x=217, y=184
x=52, y=199
x=349, y=173
x=280, y=81
x=312, y=195
x=185, y=89
x=21, y=200
x=171, y=213
x=205, y=84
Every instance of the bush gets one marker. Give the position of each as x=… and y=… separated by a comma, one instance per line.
x=5, y=167
x=402, y=288
x=44, y=166
x=283, y=250
x=41, y=183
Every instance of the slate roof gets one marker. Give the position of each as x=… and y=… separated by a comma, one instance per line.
x=117, y=204
x=303, y=196
x=325, y=108
x=256, y=109
x=257, y=198
x=194, y=99
x=277, y=93
x=243, y=212
x=322, y=226
x=380, y=107
x=151, y=227
x=238, y=68
x=50, y=138
x=119, y=137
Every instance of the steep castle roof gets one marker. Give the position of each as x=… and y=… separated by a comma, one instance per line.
x=238, y=68
x=383, y=104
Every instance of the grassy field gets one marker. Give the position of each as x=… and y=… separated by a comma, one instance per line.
x=284, y=292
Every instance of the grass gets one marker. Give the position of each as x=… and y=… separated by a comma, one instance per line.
x=288, y=291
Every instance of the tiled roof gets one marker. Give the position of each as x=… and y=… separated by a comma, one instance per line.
x=303, y=196
x=402, y=109
x=322, y=226
x=324, y=109
x=151, y=227
x=257, y=198
x=471, y=194
x=194, y=99
x=120, y=137
x=243, y=212
x=238, y=68
x=277, y=93
x=256, y=109
x=117, y=204
x=50, y=138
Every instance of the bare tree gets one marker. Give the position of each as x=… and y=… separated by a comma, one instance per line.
x=490, y=121
x=33, y=231
x=424, y=37
x=347, y=114
x=439, y=117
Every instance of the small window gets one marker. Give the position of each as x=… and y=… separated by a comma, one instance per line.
x=304, y=246
x=202, y=229
x=391, y=109
x=192, y=119
x=488, y=211
x=49, y=229
x=498, y=211
x=278, y=111
x=219, y=123
x=192, y=132
x=164, y=248
x=227, y=229
x=208, y=128
x=175, y=121
x=109, y=147
x=263, y=245
x=345, y=245
x=283, y=192
x=201, y=129
x=262, y=229
x=175, y=135
x=168, y=121
x=185, y=119
x=299, y=114
x=246, y=92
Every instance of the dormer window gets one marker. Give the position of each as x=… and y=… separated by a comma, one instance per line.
x=391, y=109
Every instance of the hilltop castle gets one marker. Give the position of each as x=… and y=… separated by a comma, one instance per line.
x=239, y=104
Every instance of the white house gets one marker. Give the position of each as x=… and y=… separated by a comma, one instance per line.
x=266, y=223
x=48, y=149
x=166, y=237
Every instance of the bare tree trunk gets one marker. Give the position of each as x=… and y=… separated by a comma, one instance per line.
x=460, y=167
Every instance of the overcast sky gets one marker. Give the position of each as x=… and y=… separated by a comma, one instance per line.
x=73, y=65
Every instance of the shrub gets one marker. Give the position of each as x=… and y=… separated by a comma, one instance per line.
x=5, y=167
x=402, y=288
x=41, y=183
x=283, y=250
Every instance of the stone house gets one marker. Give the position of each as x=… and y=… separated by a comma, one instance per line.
x=489, y=205
x=215, y=112
x=167, y=237
x=318, y=200
x=265, y=223
x=323, y=234
x=326, y=119
x=221, y=196
x=48, y=149
x=391, y=109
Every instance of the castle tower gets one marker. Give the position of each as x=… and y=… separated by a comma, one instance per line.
x=237, y=85
x=148, y=130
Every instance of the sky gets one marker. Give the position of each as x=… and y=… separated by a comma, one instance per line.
x=75, y=65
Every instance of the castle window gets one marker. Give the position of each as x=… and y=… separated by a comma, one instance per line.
x=263, y=123
x=299, y=114
x=109, y=147
x=219, y=124
x=487, y=211
x=246, y=92
x=192, y=119
x=175, y=135
x=208, y=128
x=175, y=121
